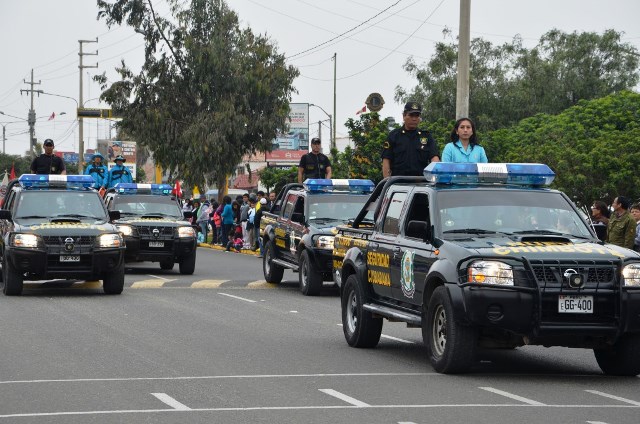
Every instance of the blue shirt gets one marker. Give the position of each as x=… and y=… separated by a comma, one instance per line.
x=99, y=174
x=227, y=214
x=118, y=174
x=455, y=152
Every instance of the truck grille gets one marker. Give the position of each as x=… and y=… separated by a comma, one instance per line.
x=164, y=233
x=57, y=246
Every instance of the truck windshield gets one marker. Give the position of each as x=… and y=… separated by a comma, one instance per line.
x=508, y=211
x=60, y=203
x=335, y=207
x=147, y=205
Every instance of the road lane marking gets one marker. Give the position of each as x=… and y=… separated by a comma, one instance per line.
x=207, y=284
x=384, y=336
x=406, y=422
x=147, y=284
x=342, y=396
x=165, y=398
x=161, y=278
x=596, y=422
x=607, y=395
x=238, y=297
x=512, y=396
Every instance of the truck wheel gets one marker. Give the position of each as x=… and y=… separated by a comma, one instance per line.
x=360, y=327
x=188, y=264
x=272, y=273
x=166, y=264
x=114, y=282
x=310, y=280
x=450, y=346
x=622, y=357
x=13, y=280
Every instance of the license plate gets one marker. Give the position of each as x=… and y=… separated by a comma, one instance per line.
x=573, y=304
x=69, y=258
x=156, y=244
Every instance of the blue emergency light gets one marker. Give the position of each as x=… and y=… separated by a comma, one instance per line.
x=354, y=186
x=528, y=174
x=51, y=181
x=136, y=188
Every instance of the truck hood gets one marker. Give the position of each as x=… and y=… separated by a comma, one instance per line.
x=166, y=221
x=545, y=248
x=65, y=228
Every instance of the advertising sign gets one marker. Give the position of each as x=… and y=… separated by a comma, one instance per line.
x=112, y=148
x=291, y=144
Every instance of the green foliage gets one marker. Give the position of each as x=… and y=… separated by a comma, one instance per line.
x=141, y=176
x=275, y=179
x=208, y=93
x=592, y=147
x=21, y=164
x=510, y=82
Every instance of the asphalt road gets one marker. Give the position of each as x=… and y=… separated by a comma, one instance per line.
x=223, y=346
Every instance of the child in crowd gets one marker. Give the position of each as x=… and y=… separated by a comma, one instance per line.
x=235, y=241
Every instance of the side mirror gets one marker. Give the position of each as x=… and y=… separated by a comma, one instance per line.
x=5, y=214
x=297, y=217
x=114, y=215
x=419, y=230
x=187, y=214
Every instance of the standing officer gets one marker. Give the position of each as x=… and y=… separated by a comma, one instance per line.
x=408, y=150
x=48, y=163
x=314, y=164
x=119, y=173
x=98, y=171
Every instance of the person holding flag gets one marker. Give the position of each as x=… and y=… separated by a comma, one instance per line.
x=98, y=171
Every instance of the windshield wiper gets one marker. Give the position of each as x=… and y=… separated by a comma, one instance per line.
x=552, y=233
x=31, y=217
x=470, y=231
x=76, y=215
x=153, y=215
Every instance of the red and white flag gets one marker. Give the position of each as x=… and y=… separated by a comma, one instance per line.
x=12, y=175
x=363, y=110
x=177, y=191
x=53, y=115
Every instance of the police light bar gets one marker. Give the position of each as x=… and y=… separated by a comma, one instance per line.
x=50, y=181
x=354, y=186
x=135, y=188
x=527, y=174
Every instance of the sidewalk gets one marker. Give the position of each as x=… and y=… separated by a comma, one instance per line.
x=221, y=248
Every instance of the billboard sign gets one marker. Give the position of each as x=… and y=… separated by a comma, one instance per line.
x=291, y=144
x=112, y=148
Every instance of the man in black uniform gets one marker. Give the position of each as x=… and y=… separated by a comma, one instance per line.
x=314, y=164
x=48, y=163
x=408, y=150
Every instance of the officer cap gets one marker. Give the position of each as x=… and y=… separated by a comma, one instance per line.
x=412, y=107
x=48, y=142
x=315, y=140
x=97, y=155
x=119, y=157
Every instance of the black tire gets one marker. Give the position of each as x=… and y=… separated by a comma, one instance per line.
x=622, y=357
x=360, y=327
x=310, y=281
x=13, y=280
x=272, y=272
x=188, y=264
x=114, y=282
x=450, y=346
x=166, y=264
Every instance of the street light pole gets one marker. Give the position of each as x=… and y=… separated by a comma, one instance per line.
x=331, y=140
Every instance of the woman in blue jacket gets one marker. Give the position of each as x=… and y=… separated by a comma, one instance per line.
x=98, y=171
x=227, y=219
x=119, y=173
x=464, y=147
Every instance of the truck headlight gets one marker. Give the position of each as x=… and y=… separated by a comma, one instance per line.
x=186, y=232
x=126, y=230
x=110, y=240
x=26, y=240
x=631, y=274
x=324, y=242
x=490, y=272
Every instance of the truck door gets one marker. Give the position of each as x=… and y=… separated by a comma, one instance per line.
x=384, y=248
x=296, y=228
x=417, y=254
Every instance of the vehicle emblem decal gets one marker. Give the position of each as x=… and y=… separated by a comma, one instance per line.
x=156, y=233
x=406, y=274
x=68, y=244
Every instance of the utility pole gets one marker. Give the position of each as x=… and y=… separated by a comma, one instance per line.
x=333, y=138
x=80, y=103
x=320, y=130
x=31, y=119
x=462, y=91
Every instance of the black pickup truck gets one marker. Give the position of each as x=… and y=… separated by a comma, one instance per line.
x=298, y=231
x=486, y=256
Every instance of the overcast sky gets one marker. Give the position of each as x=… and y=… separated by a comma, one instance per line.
x=44, y=35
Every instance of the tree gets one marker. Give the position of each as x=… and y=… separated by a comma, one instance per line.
x=275, y=179
x=509, y=82
x=592, y=147
x=208, y=93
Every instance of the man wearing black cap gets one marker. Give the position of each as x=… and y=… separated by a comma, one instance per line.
x=408, y=150
x=47, y=162
x=314, y=164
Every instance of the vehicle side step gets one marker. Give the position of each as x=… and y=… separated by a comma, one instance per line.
x=285, y=264
x=393, y=314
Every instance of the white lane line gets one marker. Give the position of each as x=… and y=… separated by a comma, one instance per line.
x=512, y=396
x=342, y=396
x=607, y=395
x=596, y=422
x=406, y=422
x=165, y=398
x=238, y=297
x=384, y=336
x=162, y=278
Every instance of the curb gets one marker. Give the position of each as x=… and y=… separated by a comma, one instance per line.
x=222, y=249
